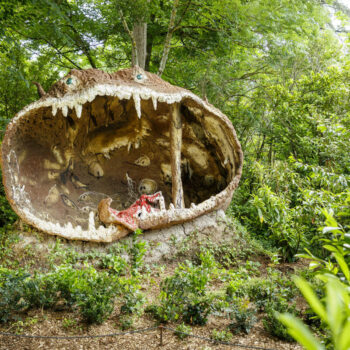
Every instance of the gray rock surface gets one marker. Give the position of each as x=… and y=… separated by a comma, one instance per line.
x=162, y=244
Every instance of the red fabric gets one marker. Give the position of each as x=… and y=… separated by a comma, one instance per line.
x=129, y=217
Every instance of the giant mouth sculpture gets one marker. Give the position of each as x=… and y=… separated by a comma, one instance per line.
x=96, y=135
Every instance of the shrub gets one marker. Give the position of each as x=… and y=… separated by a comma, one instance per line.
x=116, y=264
x=11, y=292
x=221, y=336
x=133, y=299
x=271, y=322
x=184, y=293
x=182, y=331
x=91, y=291
x=196, y=311
x=243, y=317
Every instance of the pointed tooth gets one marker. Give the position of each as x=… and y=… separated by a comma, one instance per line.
x=54, y=109
x=171, y=206
x=154, y=101
x=78, y=109
x=129, y=146
x=137, y=102
x=64, y=110
x=193, y=206
x=143, y=212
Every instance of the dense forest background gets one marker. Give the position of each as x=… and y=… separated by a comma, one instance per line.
x=279, y=69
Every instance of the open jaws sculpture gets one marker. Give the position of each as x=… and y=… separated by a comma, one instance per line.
x=98, y=139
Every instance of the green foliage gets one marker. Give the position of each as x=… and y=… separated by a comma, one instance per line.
x=91, y=291
x=114, y=263
x=221, y=336
x=7, y=215
x=271, y=322
x=243, y=317
x=137, y=252
x=184, y=294
x=11, y=293
x=132, y=299
x=334, y=313
x=182, y=331
x=333, y=309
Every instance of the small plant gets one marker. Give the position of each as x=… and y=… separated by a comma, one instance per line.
x=126, y=322
x=69, y=323
x=243, y=317
x=114, y=263
x=221, y=336
x=271, y=322
x=133, y=299
x=196, y=311
x=184, y=293
x=137, y=252
x=182, y=331
x=11, y=293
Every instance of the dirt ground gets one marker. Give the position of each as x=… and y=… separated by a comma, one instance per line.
x=52, y=324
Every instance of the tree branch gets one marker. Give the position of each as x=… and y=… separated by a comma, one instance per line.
x=51, y=45
x=135, y=60
x=168, y=38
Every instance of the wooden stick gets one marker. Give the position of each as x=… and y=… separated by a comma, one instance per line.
x=175, y=155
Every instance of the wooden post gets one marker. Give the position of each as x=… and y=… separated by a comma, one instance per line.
x=175, y=155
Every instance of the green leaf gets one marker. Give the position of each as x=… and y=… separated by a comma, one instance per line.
x=343, y=265
x=311, y=298
x=334, y=306
x=343, y=342
x=300, y=332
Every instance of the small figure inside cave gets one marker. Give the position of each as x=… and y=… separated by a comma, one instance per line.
x=130, y=217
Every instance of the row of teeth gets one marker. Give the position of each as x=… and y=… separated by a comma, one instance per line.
x=123, y=93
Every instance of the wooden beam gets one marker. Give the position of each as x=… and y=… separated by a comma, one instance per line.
x=175, y=155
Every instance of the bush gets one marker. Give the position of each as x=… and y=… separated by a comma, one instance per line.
x=243, y=317
x=221, y=336
x=91, y=291
x=11, y=293
x=271, y=322
x=182, y=331
x=196, y=311
x=183, y=295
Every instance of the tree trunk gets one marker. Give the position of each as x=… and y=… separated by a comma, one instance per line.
x=140, y=36
x=175, y=155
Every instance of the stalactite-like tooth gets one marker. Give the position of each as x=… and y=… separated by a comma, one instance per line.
x=129, y=146
x=92, y=221
x=54, y=109
x=137, y=102
x=154, y=101
x=90, y=95
x=64, y=110
x=78, y=110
